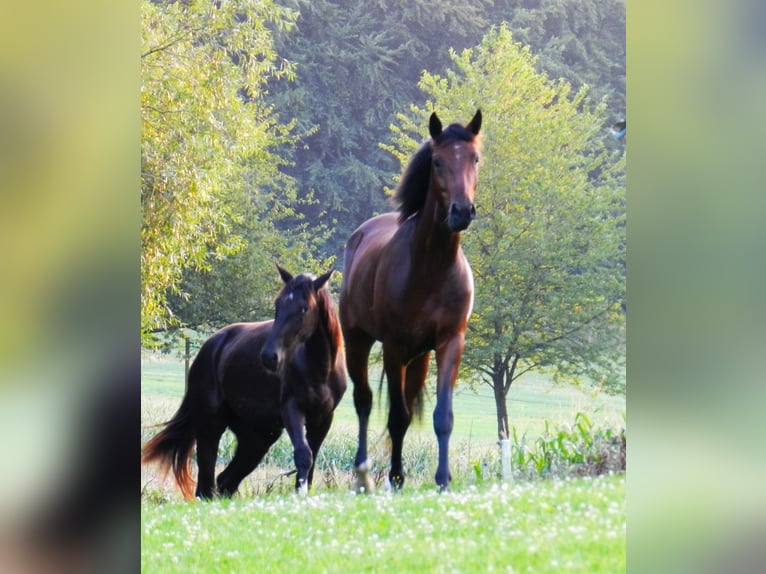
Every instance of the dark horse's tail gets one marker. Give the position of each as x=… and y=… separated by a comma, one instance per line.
x=172, y=449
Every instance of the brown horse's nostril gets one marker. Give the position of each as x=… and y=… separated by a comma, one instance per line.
x=460, y=217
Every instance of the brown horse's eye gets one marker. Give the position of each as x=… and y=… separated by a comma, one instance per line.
x=438, y=163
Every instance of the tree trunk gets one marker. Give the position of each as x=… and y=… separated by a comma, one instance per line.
x=498, y=381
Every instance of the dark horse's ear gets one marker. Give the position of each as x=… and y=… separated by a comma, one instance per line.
x=475, y=124
x=284, y=274
x=434, y=126
x=321, y=280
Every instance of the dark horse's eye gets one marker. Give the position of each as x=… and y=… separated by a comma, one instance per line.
x=438, y=163
x=303, y=310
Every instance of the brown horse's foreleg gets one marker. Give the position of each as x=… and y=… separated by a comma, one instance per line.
x=358, y=347
x=295, y=421
x=448, y=357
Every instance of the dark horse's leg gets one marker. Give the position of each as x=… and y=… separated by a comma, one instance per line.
x=315, y=435
x=295, y=421
x=252, y=445
x=207, y=453
x=358, y=346
x=401, y=401
x=448, y=357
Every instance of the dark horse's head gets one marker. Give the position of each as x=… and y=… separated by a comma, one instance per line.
x=296, y=317
x=449, y=162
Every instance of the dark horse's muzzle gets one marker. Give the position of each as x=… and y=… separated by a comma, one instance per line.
x=460, y=217
x=269, y=358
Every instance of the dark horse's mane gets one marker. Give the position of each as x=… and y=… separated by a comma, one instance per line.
x=410, y=194
x=327, y=314
x=329, y=319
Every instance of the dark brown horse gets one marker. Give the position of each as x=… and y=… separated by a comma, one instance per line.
x=257, y=379
x=407, y=283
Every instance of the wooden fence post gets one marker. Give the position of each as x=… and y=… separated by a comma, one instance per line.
x=187, y=358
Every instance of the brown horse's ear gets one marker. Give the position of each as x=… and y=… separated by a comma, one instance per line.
x=475, y=124
x=434, y=126
x=284, y=274
x=322, y=279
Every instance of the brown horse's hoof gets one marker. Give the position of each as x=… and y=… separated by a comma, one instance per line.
x=363, y=483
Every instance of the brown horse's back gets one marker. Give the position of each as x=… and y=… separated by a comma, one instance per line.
x=360, y=265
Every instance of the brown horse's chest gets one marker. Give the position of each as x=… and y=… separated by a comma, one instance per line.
x=425, y=316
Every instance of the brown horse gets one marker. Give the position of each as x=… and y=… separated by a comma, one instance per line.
x=257, y=379
x=407, y=284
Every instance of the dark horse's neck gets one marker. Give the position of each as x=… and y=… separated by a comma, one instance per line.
x=322, y=346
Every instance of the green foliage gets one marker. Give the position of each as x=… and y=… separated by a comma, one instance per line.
x=208, y=138
x=580, y=40
x=579, y=449
x=221, y=176
x=357, y=63
x=548, y=248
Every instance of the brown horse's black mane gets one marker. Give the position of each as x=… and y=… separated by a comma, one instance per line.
x=410, y=194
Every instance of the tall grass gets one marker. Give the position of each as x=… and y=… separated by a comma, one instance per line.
x=545, y=450
x=565, y=451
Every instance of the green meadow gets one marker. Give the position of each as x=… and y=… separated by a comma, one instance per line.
x=533, y=400
x=550, y=526
x=483, y=524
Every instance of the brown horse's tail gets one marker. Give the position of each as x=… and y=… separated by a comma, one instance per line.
x=417, y=403
x=172, y=449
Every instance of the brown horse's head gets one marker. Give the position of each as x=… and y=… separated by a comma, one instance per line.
x=297, y=316
x=454, y=161
x=447, y=167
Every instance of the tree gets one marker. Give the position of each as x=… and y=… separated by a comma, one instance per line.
x=580, y=40
x=548, y=247
x=356, y=65
x=242, y=286
x=208, y=137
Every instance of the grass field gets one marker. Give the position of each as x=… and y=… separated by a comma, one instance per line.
x=532, y=401
x=552, y=526
x=482, y=525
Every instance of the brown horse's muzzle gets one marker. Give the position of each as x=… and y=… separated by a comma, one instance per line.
x=460, y=217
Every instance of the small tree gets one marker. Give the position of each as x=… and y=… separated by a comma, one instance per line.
x=548, y=247
x=207, y=135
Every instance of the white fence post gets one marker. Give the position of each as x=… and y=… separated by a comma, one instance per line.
x=505, y=457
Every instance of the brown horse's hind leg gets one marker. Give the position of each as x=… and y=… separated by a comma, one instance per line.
x=252, y=446
x=358, y=346
x=401, y=402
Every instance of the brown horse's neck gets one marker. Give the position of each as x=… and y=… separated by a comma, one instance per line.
x=435, y=245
